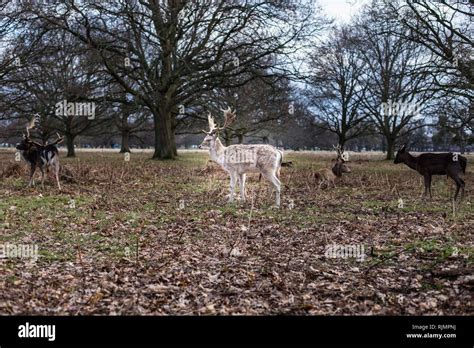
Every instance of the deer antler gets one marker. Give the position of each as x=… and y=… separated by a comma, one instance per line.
x=58, y=140
x=340, y=152
x=229, y=117
x=29, y=126
x=212, y=124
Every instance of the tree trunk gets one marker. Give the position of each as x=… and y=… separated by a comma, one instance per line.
x=383, y=145
x=342, y=140
x=173, y=142
x=165, y=145
x=125, y=147
x=240, y=138
x=71, y=151
x=227, y=138
x=390, y=148
x=125, y=141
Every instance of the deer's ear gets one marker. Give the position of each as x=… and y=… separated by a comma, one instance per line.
x=404, y=147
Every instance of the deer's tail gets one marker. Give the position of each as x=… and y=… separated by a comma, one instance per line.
x=281, y=161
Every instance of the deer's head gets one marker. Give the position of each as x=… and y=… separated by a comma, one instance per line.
x=340, y=166
x=402, y=154
x=213, y=133
x=27, y=143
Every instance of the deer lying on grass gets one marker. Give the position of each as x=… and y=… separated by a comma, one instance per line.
x=239, y=159
x=40, y=156
x=428, y=164
x=329, y=176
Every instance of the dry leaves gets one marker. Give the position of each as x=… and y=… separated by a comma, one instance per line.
x=150, y=238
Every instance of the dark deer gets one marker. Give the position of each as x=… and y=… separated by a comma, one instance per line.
x=429, y=164
x=39, y=155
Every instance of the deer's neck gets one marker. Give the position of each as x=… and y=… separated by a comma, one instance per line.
x=410, y=161
x=217, y=151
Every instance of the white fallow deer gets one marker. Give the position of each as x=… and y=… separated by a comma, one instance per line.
x=240, y=159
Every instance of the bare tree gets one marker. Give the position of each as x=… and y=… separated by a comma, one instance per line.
x=59, y=84
x=397, y=88
x=262, y=106
x=18, y=44
x=165, y=53
x=130, y=120
x=445, y=29
x=336, y=88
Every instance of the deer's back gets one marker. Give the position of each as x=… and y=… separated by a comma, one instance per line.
x=248, y=158
x=437, y=163
x=327, y=174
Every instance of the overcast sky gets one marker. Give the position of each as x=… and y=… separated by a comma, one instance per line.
x=341, y=10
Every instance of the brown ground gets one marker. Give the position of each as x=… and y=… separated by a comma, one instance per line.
x=148, y=237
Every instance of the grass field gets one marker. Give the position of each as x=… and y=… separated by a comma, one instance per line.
x=149, y=237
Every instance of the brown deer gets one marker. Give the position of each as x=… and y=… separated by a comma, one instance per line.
x=329, y=176
x=429, y=164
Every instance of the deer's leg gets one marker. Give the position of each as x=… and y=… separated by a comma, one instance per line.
x=463, y=185
x=457, y=190
x=271, y=176
x=32, y=173
x=460, y=184
x=242, y=178
x=56, y=173
x=277, y=184
x=42, y=177
x=233, y=179
x=427, y=185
